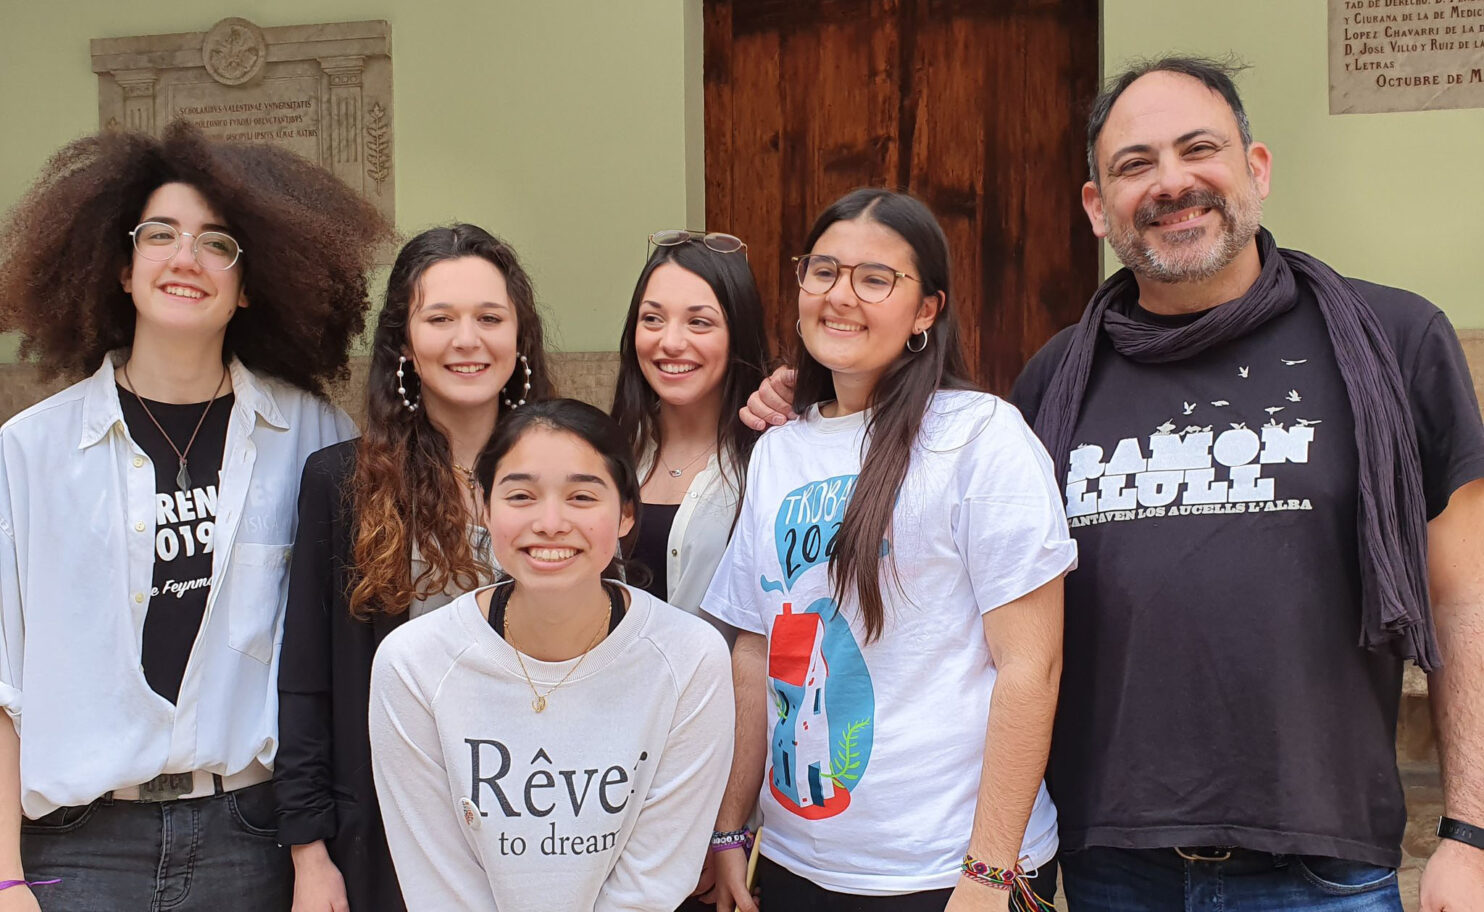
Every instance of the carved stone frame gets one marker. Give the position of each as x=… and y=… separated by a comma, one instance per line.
x=324, y=91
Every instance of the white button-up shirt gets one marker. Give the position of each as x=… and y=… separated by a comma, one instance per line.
x=77, y=553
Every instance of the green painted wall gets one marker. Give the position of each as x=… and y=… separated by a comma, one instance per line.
x=1393, y=198
x=568, y=126
x=573, y=127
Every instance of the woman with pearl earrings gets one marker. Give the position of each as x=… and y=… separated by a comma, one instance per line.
x=388, y=530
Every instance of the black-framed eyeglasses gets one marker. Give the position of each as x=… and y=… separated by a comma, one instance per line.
x=872, y=282
x=159, y=241
x=714, y=240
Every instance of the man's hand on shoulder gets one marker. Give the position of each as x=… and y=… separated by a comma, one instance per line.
x=772, y=404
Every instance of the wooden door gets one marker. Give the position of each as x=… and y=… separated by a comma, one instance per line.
x=976, y=106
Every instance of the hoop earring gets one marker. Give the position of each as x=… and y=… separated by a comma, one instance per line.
x=799, y=328
x=524, y=392
x=919, y=348
x=402, y=385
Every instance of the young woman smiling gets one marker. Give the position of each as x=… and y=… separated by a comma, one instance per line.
x=558, y=740
x=693, y=348
x=146, y=512
x=388, y=530
x=895, y=578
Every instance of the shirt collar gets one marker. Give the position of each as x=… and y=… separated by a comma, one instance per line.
x=101, y=409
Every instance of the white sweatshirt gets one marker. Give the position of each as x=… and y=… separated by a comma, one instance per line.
x=603, y=802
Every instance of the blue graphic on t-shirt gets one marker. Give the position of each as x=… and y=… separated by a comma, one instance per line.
x=825, y=705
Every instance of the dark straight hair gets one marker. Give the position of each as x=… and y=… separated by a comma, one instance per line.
x=1216, y=75
x=586, y=423
x=897, y=403
x=636, y=407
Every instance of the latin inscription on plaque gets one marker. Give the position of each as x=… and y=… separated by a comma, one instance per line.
x=1405, y=55
x=320, y=91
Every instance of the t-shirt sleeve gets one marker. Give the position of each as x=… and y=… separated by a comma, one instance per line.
x=1010, y=528
x=12, y=625
x=1445, y=411
x=661, y=861
x=437, y=865
x=732, y=597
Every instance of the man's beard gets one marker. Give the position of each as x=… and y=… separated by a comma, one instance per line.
x=1185, y=258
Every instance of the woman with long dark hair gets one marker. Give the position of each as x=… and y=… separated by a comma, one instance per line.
x=693, y=348
x=557, y=740
x=896, y=580
x=388, y=530
x=146, y=512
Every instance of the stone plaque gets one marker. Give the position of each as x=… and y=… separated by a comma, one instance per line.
x=322, y=91
x=1405, y=55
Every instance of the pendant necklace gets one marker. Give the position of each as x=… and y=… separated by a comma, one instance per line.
x=676, y=473
x=538, y=699
x=183, y=477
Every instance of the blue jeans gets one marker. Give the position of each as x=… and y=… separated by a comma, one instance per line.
x=1160, y=880
x=216, y=854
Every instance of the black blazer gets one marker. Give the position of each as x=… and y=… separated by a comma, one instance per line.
x=322, y=774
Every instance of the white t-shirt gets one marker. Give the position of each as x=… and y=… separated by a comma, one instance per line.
x=875, y=750
x=604, y=801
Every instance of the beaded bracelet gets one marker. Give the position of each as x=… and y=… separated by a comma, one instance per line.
x=1011, y=879
x=7, y=884
x=732, y=839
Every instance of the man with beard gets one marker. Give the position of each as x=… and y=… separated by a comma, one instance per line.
x=1272, y=474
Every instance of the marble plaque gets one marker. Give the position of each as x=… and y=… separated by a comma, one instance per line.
x=1405, y=55
x=322, y=91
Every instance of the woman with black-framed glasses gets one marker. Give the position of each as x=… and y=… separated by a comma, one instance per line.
x=146, y=512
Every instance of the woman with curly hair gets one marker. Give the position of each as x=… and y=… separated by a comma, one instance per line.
x=146, y=512
x=389, y=529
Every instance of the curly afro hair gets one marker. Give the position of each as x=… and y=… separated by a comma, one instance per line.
x=307, y=239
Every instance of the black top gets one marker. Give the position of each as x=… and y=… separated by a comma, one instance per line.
x=1213, y=691
x=500, y=600
x=653, y=543
x=184, y=523
x=322, y=774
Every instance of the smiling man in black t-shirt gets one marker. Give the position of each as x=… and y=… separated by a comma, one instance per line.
x=1267, y=469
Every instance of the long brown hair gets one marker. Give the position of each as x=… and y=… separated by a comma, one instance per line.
x=898, y=401
x=307, y=242
x=403, y=489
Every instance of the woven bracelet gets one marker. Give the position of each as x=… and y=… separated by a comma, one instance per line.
x=7, y=884
x=1012, y=879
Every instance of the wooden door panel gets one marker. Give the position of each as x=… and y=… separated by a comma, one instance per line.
x=976, y=106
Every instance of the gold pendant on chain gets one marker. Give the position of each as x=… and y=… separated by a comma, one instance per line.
x=539, y=704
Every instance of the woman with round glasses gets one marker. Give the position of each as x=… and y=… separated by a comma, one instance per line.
x=692, y=350
x=895, y=577
x=146, y=512
x=389, y=530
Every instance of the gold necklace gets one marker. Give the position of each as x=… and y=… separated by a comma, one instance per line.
x=468, y=474
x=538, y=701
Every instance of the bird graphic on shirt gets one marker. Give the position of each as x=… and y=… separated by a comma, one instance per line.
x=1274, y=423
x=1167, y=428
x=1220, y=402
x=1190, y=408
x=1293, y=396
x=1273, y=409
x=1239, y=426
x=1305, y=422
x=1242, y=372
x=1292, y=363
x=1193, y=429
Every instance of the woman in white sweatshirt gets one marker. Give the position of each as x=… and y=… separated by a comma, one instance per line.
x=557, y=740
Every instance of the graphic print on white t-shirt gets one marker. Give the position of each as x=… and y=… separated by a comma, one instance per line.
x=1213, y=465
x=824, y=705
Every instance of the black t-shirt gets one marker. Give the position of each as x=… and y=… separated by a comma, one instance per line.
x=184, y=525
x=1214, y=692
x=653, y=543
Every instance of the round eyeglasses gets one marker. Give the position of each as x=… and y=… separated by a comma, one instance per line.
x=714, y=240
x=872, y=282
x=159, y=241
